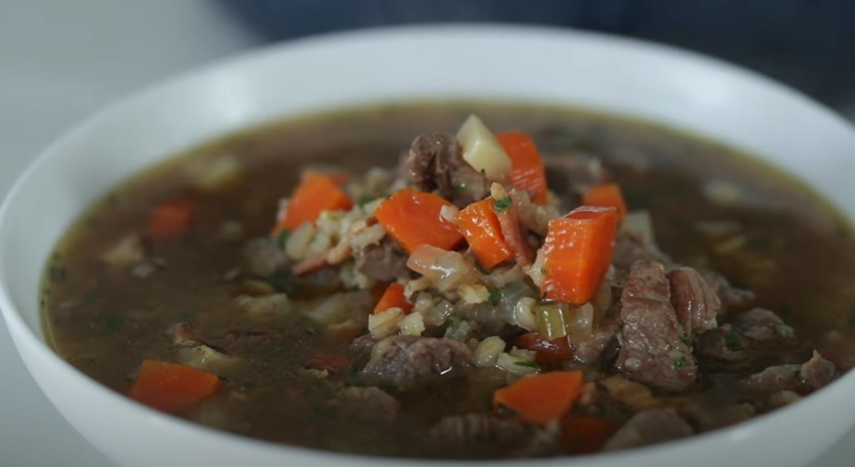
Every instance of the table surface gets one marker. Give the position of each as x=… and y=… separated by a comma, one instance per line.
x=56, y=69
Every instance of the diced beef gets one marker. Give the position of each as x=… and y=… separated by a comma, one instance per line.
x=651, y=426
x=263, y=257
x=385, y=262
x=817, y=372
x=595, y=351
x=774, y=379
x=653, y=350
x=710, y=415
x=436, y=161
x=731, y=297
x=367, y=403
x=761, y=324
x=814, y=374
x=476, y=427
x=409, y=361
x=362, y=345
x=694, y=301
x=722, y=343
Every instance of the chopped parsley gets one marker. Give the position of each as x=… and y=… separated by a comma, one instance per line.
x=495, y=297
x=110, y=323
x=437, y=302
x=312, y=331
x=506, y=411
x=480, y=267
x=364, y=199
x=282, y=238
x=527, y=364
x=503, y=204
x=679, y=362
x=689, y=341
x=732, y=340
x=455, y=318
x=543, y=271
x=460, y=188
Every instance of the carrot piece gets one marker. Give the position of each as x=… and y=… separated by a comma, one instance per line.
x=554, y=351
x=171, y=387
x=584, y=434
x=413, y=218
x=393, y=298
x=542, y=398
x=607, y=194
x=480, y=225
x=171, y=218
x=329, y=361
x=577, y=253
x=315, y=193
x=527, y=171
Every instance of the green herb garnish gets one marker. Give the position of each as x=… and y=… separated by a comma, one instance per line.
x=57, y=273
x=460, y=188
x=527, y=364
x=455, y=318
x=732, y=341
x=503, y=204
x=679, y=363
x=282, y=238
x=495, y=297
x=364, y=199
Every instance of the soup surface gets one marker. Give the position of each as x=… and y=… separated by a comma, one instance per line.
x=447, y=306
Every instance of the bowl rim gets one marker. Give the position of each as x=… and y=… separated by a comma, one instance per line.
x=20, y=330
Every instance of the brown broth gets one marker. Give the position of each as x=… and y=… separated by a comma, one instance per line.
x=799, y=259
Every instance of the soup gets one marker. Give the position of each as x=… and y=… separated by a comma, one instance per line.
x=389, y=282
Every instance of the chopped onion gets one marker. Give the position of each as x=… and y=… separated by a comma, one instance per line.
x=506, y=299
x=297, y=245
x=516, y=365
x=481, y=149
x=437, y=311
x=447, y=270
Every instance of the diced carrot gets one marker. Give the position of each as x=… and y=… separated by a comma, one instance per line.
x=413, y=218
x=393, y=298
x=329, y=361
x=577, y=253
x=172, y=387
x=607, y=194
x=584, y=434
x=542, y=398
x=171, y=218
x=480, y=225
x=527, y=170
x=554, y=351
x=316, y=193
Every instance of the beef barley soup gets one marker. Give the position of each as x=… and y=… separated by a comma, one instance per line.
x=418, y=281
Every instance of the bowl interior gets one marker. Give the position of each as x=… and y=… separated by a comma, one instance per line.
x=555, y=67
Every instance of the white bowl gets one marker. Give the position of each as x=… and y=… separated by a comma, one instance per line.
x=537, y=65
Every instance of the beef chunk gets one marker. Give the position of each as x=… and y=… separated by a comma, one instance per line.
x=817, y=372
x=731, y=297
x=651, y=426
x=694, y=301
x=761, y=324
x=409, y=361
x=367, y=403
x=653, y=349
x=436, y=161
x=710, y=415
x=722, y=343
x=263, y=257
x=814, y=374
x=595, y=351
x=477, y=427
x=385, y=262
